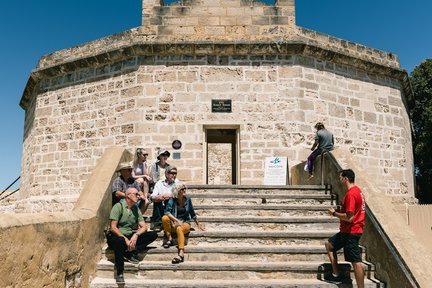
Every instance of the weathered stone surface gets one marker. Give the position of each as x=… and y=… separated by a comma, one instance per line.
x=158, y=87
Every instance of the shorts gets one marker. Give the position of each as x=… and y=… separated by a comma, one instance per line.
x=350, y=244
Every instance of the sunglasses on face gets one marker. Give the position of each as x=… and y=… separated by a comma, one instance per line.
x=172, y=173
x=182, y=190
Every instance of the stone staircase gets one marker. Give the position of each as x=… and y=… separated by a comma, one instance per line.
x=255, y=237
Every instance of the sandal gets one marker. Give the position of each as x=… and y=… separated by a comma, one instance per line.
x=178, y=259
x=168, y=244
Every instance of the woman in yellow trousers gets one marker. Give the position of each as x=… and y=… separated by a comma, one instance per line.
x=178, y=213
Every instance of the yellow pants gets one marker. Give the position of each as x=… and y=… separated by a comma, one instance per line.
x=168, y=227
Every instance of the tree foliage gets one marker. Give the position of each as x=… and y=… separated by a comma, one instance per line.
x=421, y=80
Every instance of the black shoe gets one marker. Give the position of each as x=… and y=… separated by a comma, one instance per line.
x=333, y=279
x=120, y=278
x=132, y=259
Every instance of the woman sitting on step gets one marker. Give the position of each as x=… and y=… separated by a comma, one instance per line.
x=178, y=213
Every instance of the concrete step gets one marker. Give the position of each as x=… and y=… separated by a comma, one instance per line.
x=235, y=253
x=138, y=282
x=262, y=210
x=257, y=209
x=254, y=200
x=251, y=223
x=251, y=238
x=227, y=270
x=258, y=189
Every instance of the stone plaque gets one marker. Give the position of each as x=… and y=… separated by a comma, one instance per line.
x=275, y=171
x=221, y=105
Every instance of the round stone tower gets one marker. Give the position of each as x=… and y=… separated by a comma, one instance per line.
x=234, y=81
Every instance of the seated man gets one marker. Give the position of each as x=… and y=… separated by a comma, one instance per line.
x=324, y=141
x=162, y=192
x=124, y=181
x=128, y=231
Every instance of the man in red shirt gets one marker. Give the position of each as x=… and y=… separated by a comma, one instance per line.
x=351, y=218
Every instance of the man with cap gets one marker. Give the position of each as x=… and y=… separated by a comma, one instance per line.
x=128, y=231
x=124, y=181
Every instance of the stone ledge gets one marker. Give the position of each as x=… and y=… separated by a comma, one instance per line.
x=100, y=282
x=118, y=48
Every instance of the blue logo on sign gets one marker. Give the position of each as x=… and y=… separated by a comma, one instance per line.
x=276, y=161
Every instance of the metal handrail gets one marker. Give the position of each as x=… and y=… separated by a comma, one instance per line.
x=10, y=186
x=13, y=192
x=322, y=164
x=392, y=249
x=6, y=196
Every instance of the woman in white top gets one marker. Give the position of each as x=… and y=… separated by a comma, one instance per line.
x=140, y=171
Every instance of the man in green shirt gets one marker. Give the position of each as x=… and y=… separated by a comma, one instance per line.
x=128, y=231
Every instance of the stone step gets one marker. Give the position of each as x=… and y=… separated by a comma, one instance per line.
x=259, y=200
x=251, y=238
x=262, y=210
x=251, y=223
x=226, y=270
x=235, y=253
x=257, y=209
x=258, y=189
x=138, y=282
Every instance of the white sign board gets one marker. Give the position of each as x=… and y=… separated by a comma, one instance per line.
x=275, y=172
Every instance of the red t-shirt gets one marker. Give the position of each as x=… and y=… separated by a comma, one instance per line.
x=353, y=202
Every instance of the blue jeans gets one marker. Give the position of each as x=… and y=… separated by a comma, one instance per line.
x=158, y=212
x=311, y=158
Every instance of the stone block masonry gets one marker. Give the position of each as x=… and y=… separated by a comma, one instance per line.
x=275, y=104
x=153, y=84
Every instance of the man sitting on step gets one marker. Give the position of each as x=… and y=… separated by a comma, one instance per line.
x=124, y=181
x=128, y=231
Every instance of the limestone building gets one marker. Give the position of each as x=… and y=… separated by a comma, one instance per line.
x=234, y=81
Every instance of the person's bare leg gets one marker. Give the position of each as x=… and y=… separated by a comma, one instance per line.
x=359, y=274
x=332, y=257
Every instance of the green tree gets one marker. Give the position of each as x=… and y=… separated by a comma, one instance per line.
x=421, y=80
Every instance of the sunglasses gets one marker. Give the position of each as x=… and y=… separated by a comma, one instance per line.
x=182, y=189
x=172, y=173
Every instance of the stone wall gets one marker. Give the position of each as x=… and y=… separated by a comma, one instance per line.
x=154, y=84
x=150, y=101
x=230, y=19
x=60, y=249
x=219, y=163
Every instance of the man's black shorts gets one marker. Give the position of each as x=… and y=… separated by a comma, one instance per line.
x=350, y=243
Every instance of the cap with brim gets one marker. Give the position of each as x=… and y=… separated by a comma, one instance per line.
x=124, y=165
x=162, y=152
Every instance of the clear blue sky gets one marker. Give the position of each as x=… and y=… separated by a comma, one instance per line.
x=35, y=28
